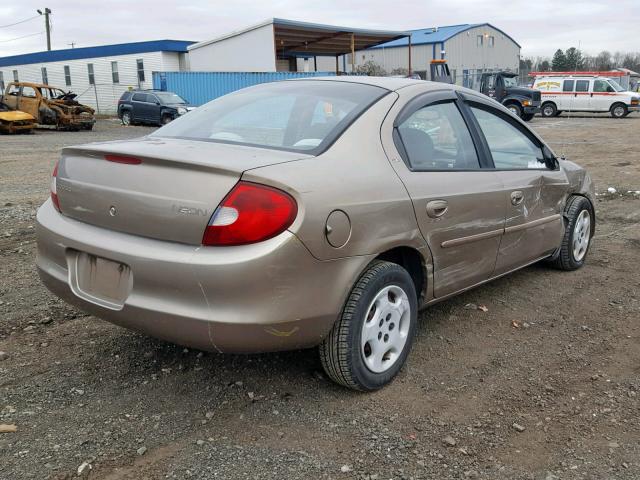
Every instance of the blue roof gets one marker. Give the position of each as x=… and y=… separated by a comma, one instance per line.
x=431, y=35
x=93, y=52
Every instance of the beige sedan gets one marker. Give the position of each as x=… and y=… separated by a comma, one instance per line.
x=319, y=212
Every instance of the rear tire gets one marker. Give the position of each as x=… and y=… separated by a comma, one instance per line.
x=577, y=235
x=549, y=109
x=527, y=117
x=126, y=118
x=371, y=340
x=619, y=110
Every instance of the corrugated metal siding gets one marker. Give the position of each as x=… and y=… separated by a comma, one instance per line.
x=201, y=87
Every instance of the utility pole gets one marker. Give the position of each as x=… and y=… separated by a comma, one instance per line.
x=47, y=25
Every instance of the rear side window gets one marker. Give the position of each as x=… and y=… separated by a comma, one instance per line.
x=582, y=85
x=436, y=137
x=510, y=148
x=567, y=86
x=139, y=97
x=126, y=96
x=291, y=115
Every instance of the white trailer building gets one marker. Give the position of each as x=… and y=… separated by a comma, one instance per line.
x=98, y=75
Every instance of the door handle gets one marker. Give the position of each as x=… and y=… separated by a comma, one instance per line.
x=437, y=208
x=517, y=197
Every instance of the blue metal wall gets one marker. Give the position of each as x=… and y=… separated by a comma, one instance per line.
x=201, y=87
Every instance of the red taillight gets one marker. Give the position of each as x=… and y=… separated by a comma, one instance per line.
x=123, y=159
x=54, y=189
x=250, y=213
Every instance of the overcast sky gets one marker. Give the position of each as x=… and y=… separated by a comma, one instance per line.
x=540, y=26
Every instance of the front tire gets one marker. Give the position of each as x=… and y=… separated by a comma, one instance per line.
x=549, y=109
x=515, y=109
x=371, y=340
x=619, y=110
x=527, y=117
x=166, y=118
x=577, y=235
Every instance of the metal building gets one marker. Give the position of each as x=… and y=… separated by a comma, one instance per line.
x=98, y=75
x=286, y=45
x=469, y=49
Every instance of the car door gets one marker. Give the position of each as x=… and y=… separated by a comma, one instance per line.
x=12, y=96
x=458, y=204
x=29, y=100
x=601, y=96
x=534, y=193
x=582, y=96
x=140, y=107
x=154, y=107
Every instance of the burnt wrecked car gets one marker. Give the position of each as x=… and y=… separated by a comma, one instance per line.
x=310, y=213
x=49, y=105
x=15, y=121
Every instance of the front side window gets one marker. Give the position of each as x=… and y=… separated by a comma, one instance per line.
x=615, y=85
x=14, y=90
x=140, y=67
x=601, y=86
x=15, y=76
x=510, y=82
x=291, y=115
x=28, y=92
x=567, y=85
x=67, y=75
x=510, y=148
x=92, y=77
x=582, y=85
x=45, y=77
x=115, y=76
x=436, y=137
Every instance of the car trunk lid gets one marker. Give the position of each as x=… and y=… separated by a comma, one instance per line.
x=161, y=188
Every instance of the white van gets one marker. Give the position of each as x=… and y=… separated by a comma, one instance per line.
x=577, y=93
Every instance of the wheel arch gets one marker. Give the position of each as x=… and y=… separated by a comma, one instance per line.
x=413, y=261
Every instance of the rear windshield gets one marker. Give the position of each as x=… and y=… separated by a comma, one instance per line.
x=290, y=115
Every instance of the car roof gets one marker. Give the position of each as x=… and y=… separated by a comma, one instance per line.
x=389, y=83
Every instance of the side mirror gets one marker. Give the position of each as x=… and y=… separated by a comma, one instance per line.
x=550, y=161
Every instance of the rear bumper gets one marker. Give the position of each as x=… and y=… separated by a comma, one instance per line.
x=265, y=297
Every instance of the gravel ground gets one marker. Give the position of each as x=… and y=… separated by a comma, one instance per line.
x=544, y=385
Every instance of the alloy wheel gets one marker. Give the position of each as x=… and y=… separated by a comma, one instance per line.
x=581, y=235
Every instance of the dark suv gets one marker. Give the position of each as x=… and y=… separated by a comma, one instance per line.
x=150, y=106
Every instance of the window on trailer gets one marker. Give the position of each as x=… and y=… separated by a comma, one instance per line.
x=15, y=76
x=140, y=67
x=67, y=75
x=92, y=77
x=492, y=41
x=1, y=82
x=115, y=76
x=45, y=78
x=479, y=40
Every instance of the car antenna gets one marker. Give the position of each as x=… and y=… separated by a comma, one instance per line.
x=563, y=155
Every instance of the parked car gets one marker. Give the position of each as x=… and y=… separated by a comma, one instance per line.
x=585, y=94
x=310, y=212
x=15, y=121
x=49, y=105
x=151, y=106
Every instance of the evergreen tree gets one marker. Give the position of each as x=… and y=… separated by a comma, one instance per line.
x=574, y=59
x=559, y=62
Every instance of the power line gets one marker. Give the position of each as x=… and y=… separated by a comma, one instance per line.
x=18, y=23
x=24, y=36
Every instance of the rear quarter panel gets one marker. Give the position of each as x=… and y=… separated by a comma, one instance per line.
x=353, y=176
